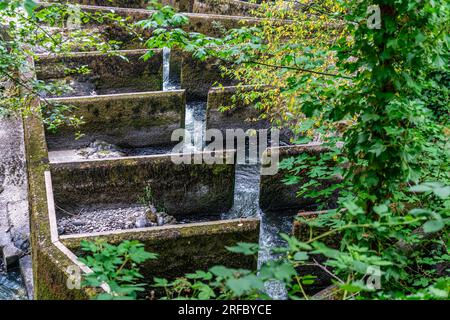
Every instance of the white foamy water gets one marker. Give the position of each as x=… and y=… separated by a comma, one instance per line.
x=11, y=286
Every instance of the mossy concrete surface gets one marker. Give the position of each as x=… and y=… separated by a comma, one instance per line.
x=275, y=195
x=183, y=249
x=221, y=7
x=128, y=120
x=108, y=3
x=113, y=72
x=210, y=25
x=224, y=7
x=49, y=263
x=214, y=25
x=241, y=115
x=181, y=189
x=198, y=77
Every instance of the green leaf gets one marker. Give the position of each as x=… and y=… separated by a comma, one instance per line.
x=433, y=226
x=248, y=249
x=301, y=256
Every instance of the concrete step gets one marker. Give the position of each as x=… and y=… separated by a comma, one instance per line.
x=10, y=255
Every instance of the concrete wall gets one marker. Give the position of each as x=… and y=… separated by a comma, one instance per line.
x=109, y=73
x=180, y=189
x=128, y=120
x=108, y=3
x=185, y=248
x=49, y=262
x=222, y=7
x=213, y=24
x=197, y=77
x=242, y=115
x=275, y=195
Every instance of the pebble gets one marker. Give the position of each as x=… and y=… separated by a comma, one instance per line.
x=100, y=150
x=141, y=222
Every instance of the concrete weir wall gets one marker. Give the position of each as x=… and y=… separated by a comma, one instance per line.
x=181, y=248
x=182, y=189
x=223, y=7
x=128, y=120
x=50, y=263
x=107, y=72
x=241, y=116
x=108, y=3
x=276, y=195
x=197, y=77
x=185, y=248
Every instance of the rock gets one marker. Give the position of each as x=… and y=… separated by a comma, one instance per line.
x=22, y=243
x=61, y=230
x=78, y=223
x=152, y=214
x=165, y=219
x=100, y=150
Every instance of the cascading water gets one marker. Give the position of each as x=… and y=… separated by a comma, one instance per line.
x=195, y=110
x=246, y=197
x=11, y=286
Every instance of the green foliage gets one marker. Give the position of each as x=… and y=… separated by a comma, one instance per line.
x=388, y=86
x=115, y=266
x=219, y=282
x=25, y=31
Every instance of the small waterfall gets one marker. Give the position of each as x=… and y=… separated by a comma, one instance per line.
x=246, y=197
x=272, y=224
x=166, y=69
x=196, y=124
x=246, y=204
x=195, y=111
x=170, y=81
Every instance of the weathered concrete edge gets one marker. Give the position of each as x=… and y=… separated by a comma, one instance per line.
x=225, y=93
x=45, y=56
x=228, y=155
x=158, y=234
x=54, y=230
x=235, y=6
x=141, y=13
x=117, y=96
x=50, y=261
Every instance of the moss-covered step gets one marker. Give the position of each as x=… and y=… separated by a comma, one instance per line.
x=108, y=3
x=186, y=248
x=241, y=115
x=275, y=195
x=222, y=7
x=181, y=189
x=50, y=260
x=92, y=73
x=128, y=120
x=209, y=24
x=198, y=77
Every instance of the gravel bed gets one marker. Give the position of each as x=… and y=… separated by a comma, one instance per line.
x=105, y=219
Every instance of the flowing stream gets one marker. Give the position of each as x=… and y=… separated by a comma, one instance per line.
x=247, y=184
x=11, y=285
